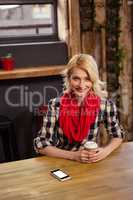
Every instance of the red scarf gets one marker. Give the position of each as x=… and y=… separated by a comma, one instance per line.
x=75, y=120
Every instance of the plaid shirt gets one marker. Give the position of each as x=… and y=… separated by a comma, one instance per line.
x=52, y=134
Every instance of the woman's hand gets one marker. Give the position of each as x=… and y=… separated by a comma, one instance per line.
x=81, y=156
x=103, y=152
x=99, y=154
x=86, y=156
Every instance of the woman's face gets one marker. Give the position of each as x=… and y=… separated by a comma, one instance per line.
x=80, y=82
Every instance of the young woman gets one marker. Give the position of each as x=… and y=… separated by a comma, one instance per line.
x=75, y=117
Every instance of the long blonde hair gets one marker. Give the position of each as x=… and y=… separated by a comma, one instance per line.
x=88, y=64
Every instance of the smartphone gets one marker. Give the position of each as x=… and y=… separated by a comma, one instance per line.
x=60, y=175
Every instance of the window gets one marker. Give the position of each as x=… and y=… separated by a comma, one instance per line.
x=28, y=21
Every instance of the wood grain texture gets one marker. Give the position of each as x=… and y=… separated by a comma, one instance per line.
x=32, y=72
x=109, y=179
x=74, y=27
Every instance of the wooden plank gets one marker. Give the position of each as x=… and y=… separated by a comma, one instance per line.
x=32, y=72
x=103, y=54
x=74, y=27
x=88, y=42
x=125, y=79
x=108, y=179
x=62, y=20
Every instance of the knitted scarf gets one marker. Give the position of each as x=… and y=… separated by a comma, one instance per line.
x=75, y=120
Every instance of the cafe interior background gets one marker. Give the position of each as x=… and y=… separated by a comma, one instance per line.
x=37, y=38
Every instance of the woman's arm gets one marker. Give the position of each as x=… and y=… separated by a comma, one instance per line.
x=80, y=155
x=103, y=152
x=115, y=131
x=56, y=152
x=114, y=144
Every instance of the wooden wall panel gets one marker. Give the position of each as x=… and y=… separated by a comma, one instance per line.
x=74, y=27
x=126, y=79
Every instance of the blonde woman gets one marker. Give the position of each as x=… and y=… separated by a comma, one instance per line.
x=75, y=117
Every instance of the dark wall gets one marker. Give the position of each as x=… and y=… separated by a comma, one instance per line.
x=27, y=94
x=37, y=90
x=19, y=101
x=20, y=98
x=26, y=55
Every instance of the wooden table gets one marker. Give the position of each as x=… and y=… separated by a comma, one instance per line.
x=110, y=179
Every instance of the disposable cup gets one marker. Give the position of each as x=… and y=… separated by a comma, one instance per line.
x=90, y=146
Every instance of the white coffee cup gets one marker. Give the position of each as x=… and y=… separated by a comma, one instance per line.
x=90, y=145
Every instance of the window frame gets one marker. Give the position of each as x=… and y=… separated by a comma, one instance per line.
x=32, y=38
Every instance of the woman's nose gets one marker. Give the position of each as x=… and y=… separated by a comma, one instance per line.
x=82, y=83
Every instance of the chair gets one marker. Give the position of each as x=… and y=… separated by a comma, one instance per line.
x=8, y=147
x=23, y=127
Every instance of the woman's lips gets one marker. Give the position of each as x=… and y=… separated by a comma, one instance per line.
x=80, y=90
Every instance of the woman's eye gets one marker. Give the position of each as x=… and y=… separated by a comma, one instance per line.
x=87, y=79
x=75, y=78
